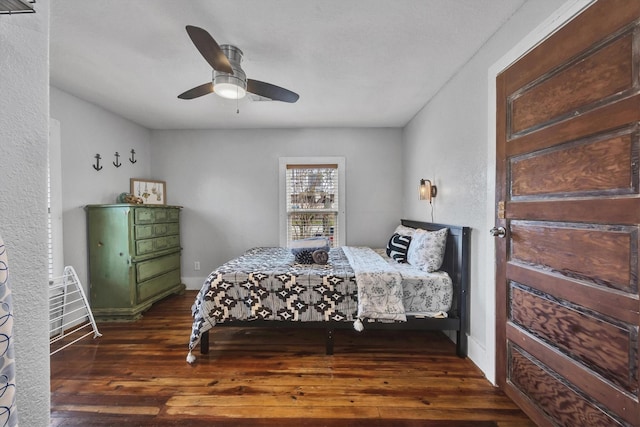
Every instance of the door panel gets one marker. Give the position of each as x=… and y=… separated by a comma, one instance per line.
x=553, y=397
x=589, y=29
x=608, y=302
x=606, y=165
x=567, y=174
x=574, y=86
x=576, y=333
x=620, y=405
x=604, y=118
x=552, y=246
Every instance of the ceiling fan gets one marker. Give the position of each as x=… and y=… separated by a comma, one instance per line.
x=229, y=80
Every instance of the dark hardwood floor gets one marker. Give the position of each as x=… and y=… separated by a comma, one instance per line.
x=136, y=375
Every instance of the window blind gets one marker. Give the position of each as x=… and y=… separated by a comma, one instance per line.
x=312, y=201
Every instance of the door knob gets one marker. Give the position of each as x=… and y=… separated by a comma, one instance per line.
x=498, y=232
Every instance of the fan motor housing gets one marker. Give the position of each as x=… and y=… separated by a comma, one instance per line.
x=231, y=85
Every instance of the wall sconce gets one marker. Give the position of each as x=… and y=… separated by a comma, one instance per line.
x=427, y=190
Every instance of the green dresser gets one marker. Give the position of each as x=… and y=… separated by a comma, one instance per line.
x=134, y=258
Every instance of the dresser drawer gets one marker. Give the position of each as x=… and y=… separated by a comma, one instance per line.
x=162, y=243
x=144, y=247
x=153, y=215
x=156, y=230
x=173, y=215
x=144, y=215
x=166, y=229
x=154, y=267
x=153, y=287
x=143, y=231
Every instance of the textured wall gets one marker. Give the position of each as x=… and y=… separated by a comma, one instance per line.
x=447, y=142
x=24, y=114
x=87, y=130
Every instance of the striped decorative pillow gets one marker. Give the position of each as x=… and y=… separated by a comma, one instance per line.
x=398, y=246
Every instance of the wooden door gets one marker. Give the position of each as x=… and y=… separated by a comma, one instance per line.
x=567, y=193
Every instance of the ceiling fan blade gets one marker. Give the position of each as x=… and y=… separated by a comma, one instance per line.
x=209, y=49
x=270, y=91
x=197, y=91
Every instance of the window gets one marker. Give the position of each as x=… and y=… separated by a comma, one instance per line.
x=54, y=202
x=312, y=199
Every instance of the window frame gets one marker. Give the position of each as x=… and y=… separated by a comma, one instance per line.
x=282, y=192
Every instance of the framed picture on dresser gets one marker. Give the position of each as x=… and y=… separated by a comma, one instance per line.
x=150, y=191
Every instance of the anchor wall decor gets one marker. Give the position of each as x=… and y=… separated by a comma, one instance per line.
x=97, y=165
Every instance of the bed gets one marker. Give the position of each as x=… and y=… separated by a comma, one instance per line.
x=359, y=288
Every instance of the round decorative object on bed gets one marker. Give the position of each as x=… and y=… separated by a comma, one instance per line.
x=304, y=257
x=320, y=256
x=398, y=246
x=303, y=249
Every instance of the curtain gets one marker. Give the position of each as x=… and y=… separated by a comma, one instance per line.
x=8, y=410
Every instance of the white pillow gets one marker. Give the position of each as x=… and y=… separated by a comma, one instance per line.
x=426, y=250
x=403, y=230
x=309, y=243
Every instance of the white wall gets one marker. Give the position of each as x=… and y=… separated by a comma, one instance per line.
x=86, y=130
x=227, y=181
x=24, y=115
x=447, y=141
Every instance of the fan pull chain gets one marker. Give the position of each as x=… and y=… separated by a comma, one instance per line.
x=237, y=101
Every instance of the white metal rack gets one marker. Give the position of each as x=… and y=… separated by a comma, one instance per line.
x=69, y=312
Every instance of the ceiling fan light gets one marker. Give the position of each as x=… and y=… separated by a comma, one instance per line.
x=229, y=90
x=231, y=86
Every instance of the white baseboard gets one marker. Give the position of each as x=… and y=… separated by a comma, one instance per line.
x=482, y=358
x=478, y=354
x=193, y=283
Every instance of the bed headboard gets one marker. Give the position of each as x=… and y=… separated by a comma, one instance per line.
x=456, y=262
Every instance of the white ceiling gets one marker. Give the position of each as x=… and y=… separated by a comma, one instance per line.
x=370, y=63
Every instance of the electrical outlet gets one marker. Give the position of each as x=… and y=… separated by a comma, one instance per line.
x=196, y=265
